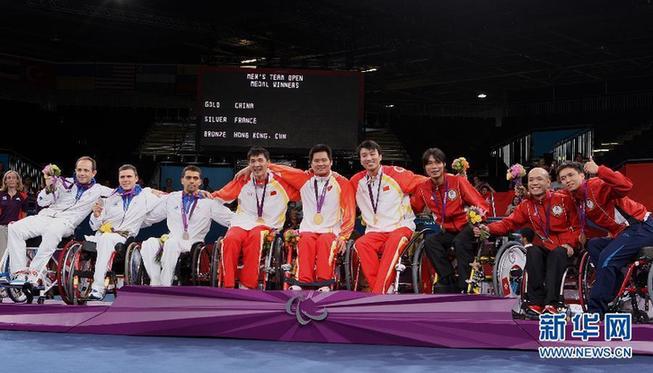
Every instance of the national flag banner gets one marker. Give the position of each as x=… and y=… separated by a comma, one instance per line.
x=115, y=76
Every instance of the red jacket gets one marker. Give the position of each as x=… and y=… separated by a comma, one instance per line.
x=460, y=194
x=598, y=198
x=562, y=226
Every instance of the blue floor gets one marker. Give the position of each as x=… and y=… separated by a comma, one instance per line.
x=50, y=352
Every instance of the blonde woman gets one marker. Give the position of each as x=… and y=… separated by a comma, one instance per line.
x=13, y=202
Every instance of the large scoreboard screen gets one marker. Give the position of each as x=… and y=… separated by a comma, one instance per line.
x=278, y=108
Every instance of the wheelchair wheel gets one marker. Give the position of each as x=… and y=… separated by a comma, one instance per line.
x=78, y=275
x=509, y=268
x=216, y=269
x=16, y=295
x=424, y=275
x=586, y=279
x=201, y=263
x=352, y=269
x=649, y=282
x=273, y=276
x=339, y=269
x=65, y=271
x=135, y=273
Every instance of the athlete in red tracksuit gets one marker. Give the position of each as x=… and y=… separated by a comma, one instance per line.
x=383, y=197
x=329, y=210
x=603, y=206
x=553, y=217
x=446, y=196
x=262, y=203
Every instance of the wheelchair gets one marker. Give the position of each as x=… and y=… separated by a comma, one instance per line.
x=47, y=281
x=404, y=279
x=271, y=271
x=77, y=266
x=634, y=294
x=509, y=267
x=289, y=259
x=193, y=267
x=569, y=292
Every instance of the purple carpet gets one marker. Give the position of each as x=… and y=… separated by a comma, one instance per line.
x=457, y=321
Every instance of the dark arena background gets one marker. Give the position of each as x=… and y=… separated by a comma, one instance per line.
x=162, y=84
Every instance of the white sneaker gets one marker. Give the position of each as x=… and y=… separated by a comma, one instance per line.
x=295, y=288
x=324, y=289
x=96, y=295
x=391, y=289
x=241, y=286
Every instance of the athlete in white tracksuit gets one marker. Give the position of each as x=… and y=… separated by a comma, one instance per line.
x=68, y=201
x=189, y=220
x=117, y=218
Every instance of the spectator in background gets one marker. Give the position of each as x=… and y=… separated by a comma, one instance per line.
x=168, y=188
x=13, y=204
x=476, y=182
x=516, y=200
x=205, y=185
x=293, y=216
x=31, y=191
x=578, y=158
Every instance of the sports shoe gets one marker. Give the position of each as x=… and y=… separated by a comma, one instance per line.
x=96, y=295
x=324, y=289
x=295, y=288
x=533, y=311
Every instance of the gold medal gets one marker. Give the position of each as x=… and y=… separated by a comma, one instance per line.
x=317, y=219
x=186, y=236
x=260, y=220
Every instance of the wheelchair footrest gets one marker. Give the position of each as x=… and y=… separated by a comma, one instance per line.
x=316, y=284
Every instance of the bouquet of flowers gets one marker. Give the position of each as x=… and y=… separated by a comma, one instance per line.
x=107, y=228
x=475, y=217
x=291, y=237
x=460, y=165
x=515, y=173
x=52, y=170
x=268, y=239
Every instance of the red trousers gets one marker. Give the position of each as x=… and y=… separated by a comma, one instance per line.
x=251, y=244
x=387, y=245
x=315, y=256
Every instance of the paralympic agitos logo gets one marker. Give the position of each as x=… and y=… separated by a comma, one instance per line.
x=305, y=310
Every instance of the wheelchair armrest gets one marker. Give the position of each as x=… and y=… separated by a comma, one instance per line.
x=90, y=247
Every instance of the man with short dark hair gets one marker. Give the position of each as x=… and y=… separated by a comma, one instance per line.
x=68, y=201
x=329, y=211
x=383, y=197
x=117, y=218
x=262, y=203
x=553, y=218
x=447, y=196
x=188, y=215
x=605, y=210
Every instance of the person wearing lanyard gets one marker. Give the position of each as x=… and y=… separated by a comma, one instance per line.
x=117, y=218
x=262, y=202
x=329, y=210
x=68, y=202
x=383, y=197
x=603, y=207
x=553, y=218
x=188, y=215
x=446, y=196
x=13, y=205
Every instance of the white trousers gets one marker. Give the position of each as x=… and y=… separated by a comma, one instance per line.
x=162, y=274
x=51, y=230
x=105, y=245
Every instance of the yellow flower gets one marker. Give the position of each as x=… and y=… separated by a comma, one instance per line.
x=106, y=228
x=163, y=238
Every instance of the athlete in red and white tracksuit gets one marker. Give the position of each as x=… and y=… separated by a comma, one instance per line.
x=262, y=203
x=322, y=233
x=603, y=206
x=384, y=201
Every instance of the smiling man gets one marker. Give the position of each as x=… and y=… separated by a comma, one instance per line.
x=262, y=203
x=605, y=210
x=553, y=218
x=67, y=202
x=383, y=196
x=117, y=218
x=446, y=196
x=188, y=216
x=329, y=210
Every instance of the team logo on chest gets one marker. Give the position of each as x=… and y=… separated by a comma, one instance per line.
x=589, y=203
x=557, y=210
x=452, y=194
